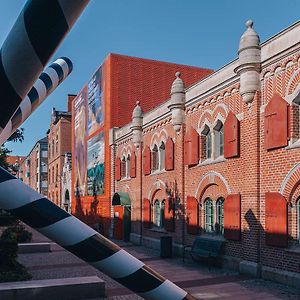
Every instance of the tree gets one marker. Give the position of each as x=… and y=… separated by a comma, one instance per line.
x=17, y=136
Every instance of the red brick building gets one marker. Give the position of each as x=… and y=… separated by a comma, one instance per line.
x=220, y=159
x=59, y=142
x=106, y=102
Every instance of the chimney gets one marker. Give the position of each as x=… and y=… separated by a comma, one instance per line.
x=70, y=101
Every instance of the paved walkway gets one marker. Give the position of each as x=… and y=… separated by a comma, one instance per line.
x=202, y=282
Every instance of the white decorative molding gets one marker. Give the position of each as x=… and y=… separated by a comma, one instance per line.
x=209, y=174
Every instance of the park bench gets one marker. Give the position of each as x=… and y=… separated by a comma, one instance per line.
x=204, y=249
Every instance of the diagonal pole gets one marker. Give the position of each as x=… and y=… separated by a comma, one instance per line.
x=78, y=238
x=48, y=81
x=36, y=34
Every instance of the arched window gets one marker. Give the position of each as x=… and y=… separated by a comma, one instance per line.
x=157, y=213
x=209, y=215
x=128, y=166
x=162, y=213
x=53, y=147
x=298, y=219
x=220, y=216
x=208, y=141
x=219, y=139
x=154, y=159
x=123, y=167
x=162, y=154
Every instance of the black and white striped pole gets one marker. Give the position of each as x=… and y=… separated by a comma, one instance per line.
x=78, y=238
x=36, y=34
x=48, y=81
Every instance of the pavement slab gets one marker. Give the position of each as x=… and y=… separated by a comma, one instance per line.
x=202, y=281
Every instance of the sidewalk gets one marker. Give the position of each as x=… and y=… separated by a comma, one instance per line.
x=202, y=282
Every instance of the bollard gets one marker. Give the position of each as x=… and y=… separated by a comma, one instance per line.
x=78, y=238
x=48, y=81
x=36, y=34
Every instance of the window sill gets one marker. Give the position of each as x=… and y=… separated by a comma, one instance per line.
x=295, y=249
x=212, y=161
x=157, y=172
x=293, y=145
x=125, y=179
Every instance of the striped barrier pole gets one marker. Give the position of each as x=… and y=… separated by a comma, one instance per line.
x=36, y=34
x=48, y=81
x=78, y=238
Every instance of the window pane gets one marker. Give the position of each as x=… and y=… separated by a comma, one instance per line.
x=220, y=216
x=208, y=145
x=162, y=154
x=157, y=213
x=209, y=217
x=221, y=140
x=162, y=211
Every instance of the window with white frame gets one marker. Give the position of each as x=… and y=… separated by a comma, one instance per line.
x=219, y=139
x=208, y=143
x=159, y=213
x=206, y=140
x=154, y=159
x=220, y=216
x=162, y=155
x=123, y=167
x=208, y=215
x=128, y=166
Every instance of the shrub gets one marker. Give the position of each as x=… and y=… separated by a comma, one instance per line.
x=17, y=233
x=10, y=269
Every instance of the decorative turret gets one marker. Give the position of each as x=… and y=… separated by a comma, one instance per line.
x=177, y=104
x=137, y=124
x=249, y=63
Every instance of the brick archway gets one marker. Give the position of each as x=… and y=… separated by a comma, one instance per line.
x=212, y=183
x=158, y=186
x=291, y=183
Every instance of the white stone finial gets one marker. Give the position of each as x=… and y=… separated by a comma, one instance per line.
x=249, y=65
x=249, y=24
x=177, y=103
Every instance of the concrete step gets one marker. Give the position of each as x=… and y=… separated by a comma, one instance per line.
x=34, y=247
x=64, y=288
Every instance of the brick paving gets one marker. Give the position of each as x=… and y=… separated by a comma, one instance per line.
x=201, y=281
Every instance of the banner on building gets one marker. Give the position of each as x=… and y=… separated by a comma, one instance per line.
x=80, y=159
x=95, y=102
x=95, y=173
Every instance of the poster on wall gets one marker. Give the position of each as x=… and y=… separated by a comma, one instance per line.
x=79, y=155
x=95, y=173
x=95, y=102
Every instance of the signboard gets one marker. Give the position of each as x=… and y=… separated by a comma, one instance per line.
x=95, y=172
x=80, y=143
x=95, y=102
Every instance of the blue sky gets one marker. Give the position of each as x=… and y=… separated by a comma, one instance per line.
x=192, y=32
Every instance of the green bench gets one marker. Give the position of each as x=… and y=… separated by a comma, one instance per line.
x=204, y=249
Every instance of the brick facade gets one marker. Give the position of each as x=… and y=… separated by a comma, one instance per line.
x=33, y=169
x=124, y=80
x=59, y=143
x=248, y=175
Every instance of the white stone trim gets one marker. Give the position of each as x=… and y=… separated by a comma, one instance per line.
x=209, y=174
